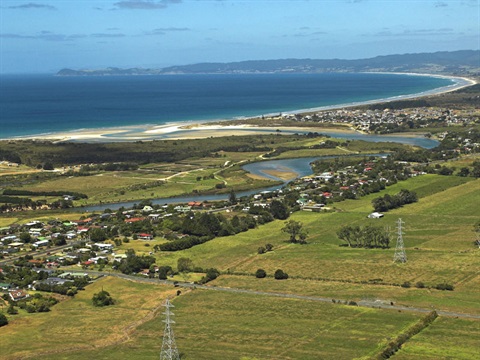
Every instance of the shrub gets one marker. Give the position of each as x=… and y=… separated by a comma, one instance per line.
x=260, y=274
x=3, y=320
x=406, y=284
x=280, y=275
x=420, y=285
x=102, y=298
x=444, y=286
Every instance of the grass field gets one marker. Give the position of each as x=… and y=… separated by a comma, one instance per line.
x=446, y=339
x=76, y=325
x=238, y=326
x=217, y=325
x=439, y=250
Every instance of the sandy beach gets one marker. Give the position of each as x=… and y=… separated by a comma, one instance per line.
x=204, y=129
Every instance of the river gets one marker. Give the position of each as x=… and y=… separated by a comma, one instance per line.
x=300, y=166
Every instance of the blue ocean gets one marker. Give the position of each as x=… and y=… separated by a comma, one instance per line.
x=39, y=104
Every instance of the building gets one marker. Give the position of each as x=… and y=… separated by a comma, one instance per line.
x=17, y=295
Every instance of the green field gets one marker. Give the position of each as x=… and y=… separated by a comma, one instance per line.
x=75, y=325
x=233, y=326
x=438, y=238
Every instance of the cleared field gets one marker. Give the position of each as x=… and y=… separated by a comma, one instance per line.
x=240, y=326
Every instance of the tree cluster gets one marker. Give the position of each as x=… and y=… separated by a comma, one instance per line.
x=37, y=303
x=296, y=231
x=364, y=237
x=134, y=263
x=387, y=202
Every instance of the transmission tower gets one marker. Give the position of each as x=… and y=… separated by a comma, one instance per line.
x=169, y=348
x=399, y=255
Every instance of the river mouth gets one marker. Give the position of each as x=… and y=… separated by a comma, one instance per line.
x=284, y=170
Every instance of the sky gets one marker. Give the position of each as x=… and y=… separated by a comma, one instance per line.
x=45, y=36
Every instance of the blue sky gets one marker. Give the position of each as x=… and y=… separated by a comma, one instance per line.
x=45, y=36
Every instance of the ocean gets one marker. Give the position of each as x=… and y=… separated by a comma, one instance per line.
x=42, y=104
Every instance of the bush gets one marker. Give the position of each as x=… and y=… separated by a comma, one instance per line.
x=102, y=298
x=3, y=320
x=260, y=274
x=406, y=284
x=394, y=345
x=444, y=286
x=280, y=275
x=420, y=285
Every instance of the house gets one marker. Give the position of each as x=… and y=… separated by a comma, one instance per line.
x=134, y=219
x=119, y=257
x=40, y=243
x=5, y=286
x=180, y=208
x=17, y=295
x=35, y=262
x=103, y=246
x=375, y=215
x=144, y=236
x=15, y=244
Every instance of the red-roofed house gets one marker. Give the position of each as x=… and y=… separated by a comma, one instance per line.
x=131, y=220
x=17, y=295
x=144, y=236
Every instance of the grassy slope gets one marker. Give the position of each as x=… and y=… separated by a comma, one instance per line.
x=439, y=246
x=445, y=339
x=233, y=326
x=76, y=324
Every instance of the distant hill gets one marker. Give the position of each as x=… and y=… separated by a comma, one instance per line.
x=463, y=62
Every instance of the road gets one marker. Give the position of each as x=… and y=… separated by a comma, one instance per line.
x=39, y=253
x=376, y=304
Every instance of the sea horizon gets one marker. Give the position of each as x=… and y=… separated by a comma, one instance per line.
x=39, y=105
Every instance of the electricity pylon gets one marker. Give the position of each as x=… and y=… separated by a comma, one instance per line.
x=169, y=348
x=400, y=255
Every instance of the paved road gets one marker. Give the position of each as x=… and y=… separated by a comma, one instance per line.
x=364, y=303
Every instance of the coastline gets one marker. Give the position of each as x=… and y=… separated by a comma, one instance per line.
x=204, y=128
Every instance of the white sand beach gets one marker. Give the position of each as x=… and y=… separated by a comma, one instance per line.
x=204, y=129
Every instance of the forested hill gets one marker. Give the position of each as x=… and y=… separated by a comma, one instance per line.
x=463, y=62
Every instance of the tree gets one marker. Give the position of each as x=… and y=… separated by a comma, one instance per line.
x=25, y=237
x=3, y=320
x=279, y=210
x=102, y=298
x=48, y=166
x=232, y=198
x=464, y=172
x=280, y=275
x=260, y=274
x=184, y=265
x=295, y=228
x=97, y=234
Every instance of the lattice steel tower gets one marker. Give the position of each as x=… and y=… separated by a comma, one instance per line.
x=169, y=348
x=400, y=255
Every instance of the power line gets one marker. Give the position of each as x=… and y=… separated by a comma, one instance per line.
x=169, y=348
x=400, y=255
